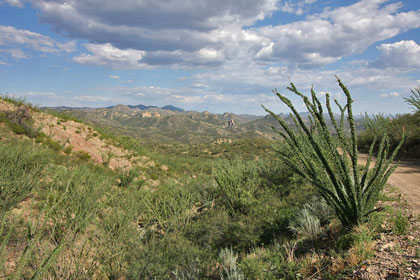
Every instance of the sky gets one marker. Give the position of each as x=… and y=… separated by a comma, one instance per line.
x=209, y=55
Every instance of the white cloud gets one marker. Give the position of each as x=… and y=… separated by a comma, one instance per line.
x=296, y=7
x=402, y=54
x=127, y=35
x=15, y=3
x=391, y=94
x=67, y=47
x=150, y=24
x=114, y=77
x=63, y=68
x=326, y=37
x=15, y=53
x=12, y=37
x=37, y=93
x=95, y=98
x=107, y=55
x=199, y=99
x=110, y=56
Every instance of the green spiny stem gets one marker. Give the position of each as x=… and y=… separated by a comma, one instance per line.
x=351, y=194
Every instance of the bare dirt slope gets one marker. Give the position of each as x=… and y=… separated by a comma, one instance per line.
x=82, y=138
x=407, y=179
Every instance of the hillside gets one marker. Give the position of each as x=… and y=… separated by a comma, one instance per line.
x=73, y=137
x=84, y=202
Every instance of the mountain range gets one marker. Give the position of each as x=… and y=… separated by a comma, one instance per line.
x=173, y=124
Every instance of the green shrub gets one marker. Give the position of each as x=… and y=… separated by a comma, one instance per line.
x=168, y=208
x=330, y=163
x=54, y=145
x=159, y=258
x=275, y=262
x=67, y=150
x=15, y=100
x=400, y=223
x=229, y=264
x=126, y=177
x=377, y=125
x=21, y=122
x=408, y=125
x=83, y=155
x=238, y=181
x=306, y=224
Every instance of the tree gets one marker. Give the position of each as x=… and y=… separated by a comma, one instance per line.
x=329, y=160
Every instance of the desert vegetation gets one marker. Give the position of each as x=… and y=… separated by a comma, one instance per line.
x=395, y=127
x=294, y=208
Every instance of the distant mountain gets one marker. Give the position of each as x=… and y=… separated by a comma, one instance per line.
x=172, y=124
x=145, y=107
x=168, y=123
x=142, y=107
x=172, y=108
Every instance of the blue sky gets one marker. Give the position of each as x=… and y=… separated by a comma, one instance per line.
x=214, y=55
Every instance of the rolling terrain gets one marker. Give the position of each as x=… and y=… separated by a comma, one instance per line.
x=171, y=124
x=84, y=200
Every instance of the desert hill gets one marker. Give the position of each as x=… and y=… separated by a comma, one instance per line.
x=171, y=124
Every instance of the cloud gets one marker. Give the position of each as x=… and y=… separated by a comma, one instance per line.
x=402, y=54
x=139, y=34
x=296, y=7
x=67, y=47
x=12, y=37
x=107, y=55
x=15, y=3
x=96, y=98
x=58, y=66
x=37, y=93
x=150, y=25
x=391, y=94
x=110, y=56
x=15, y=53
x=327, y=37
x=114, y=77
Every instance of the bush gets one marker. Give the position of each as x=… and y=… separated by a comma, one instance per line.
x=330, y=163
x=54, y=145
x=167, y=208
x=400, y=223
x=408, y=125
x=126, y=177
x=83, y=155
x=306, y=224
x=159, y=258
x=230, y=267
x=238, y=181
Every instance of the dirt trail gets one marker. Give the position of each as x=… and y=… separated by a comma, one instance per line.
x=407, y=179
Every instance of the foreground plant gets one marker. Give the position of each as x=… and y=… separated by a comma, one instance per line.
x=329, y=160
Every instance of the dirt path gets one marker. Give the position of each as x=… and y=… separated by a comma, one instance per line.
x=407, y=179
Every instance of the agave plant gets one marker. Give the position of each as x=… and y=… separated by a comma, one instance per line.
x=329, y=159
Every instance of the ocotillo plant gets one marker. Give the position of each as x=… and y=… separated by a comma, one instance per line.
x=329, y=159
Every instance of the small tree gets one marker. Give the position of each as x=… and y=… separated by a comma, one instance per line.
x=329, y=160
x=414, y=99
